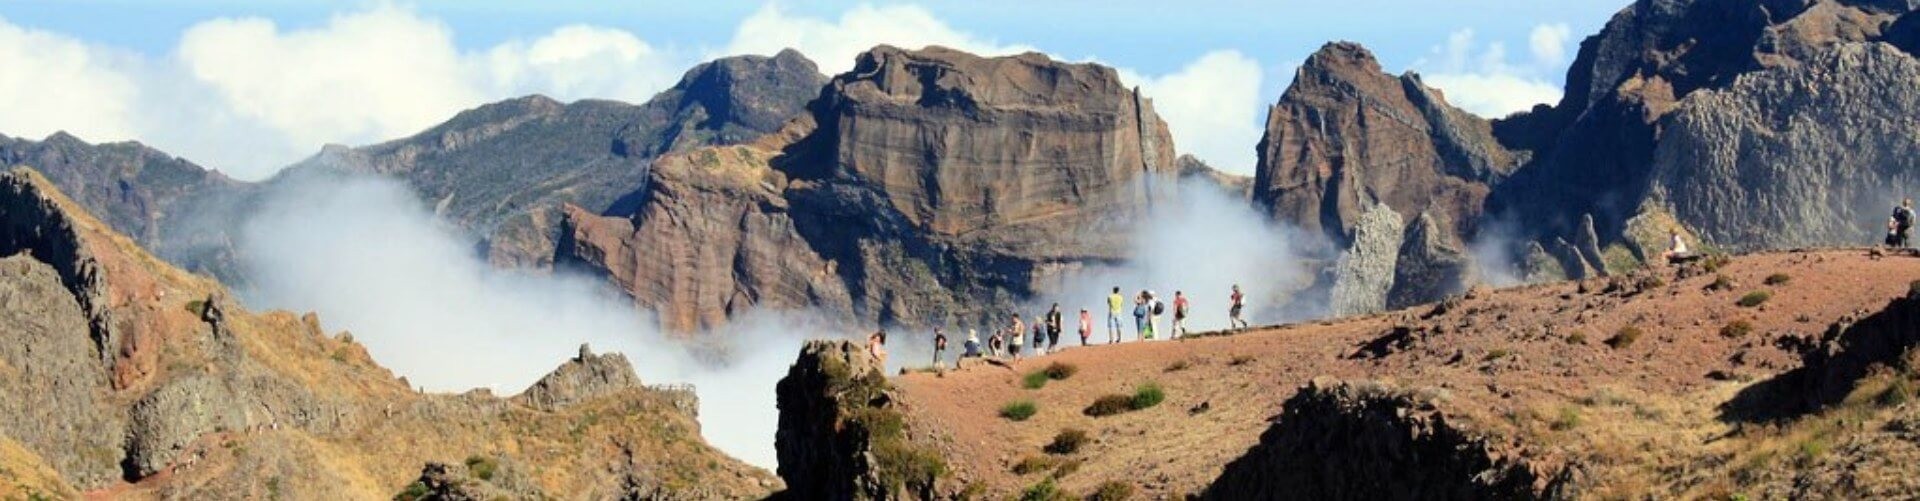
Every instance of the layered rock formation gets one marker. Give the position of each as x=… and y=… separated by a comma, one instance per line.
x=1347, y=139
x=503, y=171
x=923, y=186
x=121, y=372
x=840, y=435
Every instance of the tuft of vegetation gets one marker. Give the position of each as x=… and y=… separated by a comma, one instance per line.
x=1045, y=491
x=1068, y=441
x=1720, y=283
x=1496, y=354
x=413, y=492
x=902, y=464
x=482, y=467
x=1034, y=464
x=1755, y=298
x=1567, y=419
x=1059, y=371
x=1777, y=279
x=1065, y=468
x=1578, y=337
x=1019, y=410
x=1898, y=392
x=1715, y=262
x=197, y=307
x=1112, y=491
x=1812, y=448
x=1147, y=395
x=1034, y=380
x=1178, y=365
x=1109, y=405
x=1736, y=329
x=1625, y=337
x=1239, y=360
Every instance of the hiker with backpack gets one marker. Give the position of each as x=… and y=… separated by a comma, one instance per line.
x=1053, y=327
x=1039, y=337
x=1086, y=326
x=1153, y=314
x=1140, y=330
x=1900, y=225
x=1113, y=315
x=1237, y=303
x=1179, y=314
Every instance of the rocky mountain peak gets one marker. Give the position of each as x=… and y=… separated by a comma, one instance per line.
x=585, y=377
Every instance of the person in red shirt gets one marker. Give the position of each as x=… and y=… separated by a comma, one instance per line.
x=1179, y=314
x=1239, y=302
x=1086, y=326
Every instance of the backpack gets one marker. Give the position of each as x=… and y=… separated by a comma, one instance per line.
x=1159, y=307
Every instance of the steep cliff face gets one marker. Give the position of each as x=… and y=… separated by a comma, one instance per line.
x=1801, y=155
x=120, y=372
x=1347, y=141
x=503, y=171
x=841, y=435
x=1341, y=440
x=1600, y=149
x=920, y=187
x=1346, y=136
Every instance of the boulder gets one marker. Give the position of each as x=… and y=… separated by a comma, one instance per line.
x=1430, y=265
x=1365, y=273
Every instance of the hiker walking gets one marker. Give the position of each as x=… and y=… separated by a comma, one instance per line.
x=1238, y=303
x=1154, y=309
x=1039, y=337
x=1016, y=336
x=1053, y=327
x=1179, y=314
x=1900, y=225
x=939, y=345
x=1086, y=326
x=1140, y=317
x=1113, y=315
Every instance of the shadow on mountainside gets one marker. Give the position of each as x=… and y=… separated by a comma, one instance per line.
x=1832, y=364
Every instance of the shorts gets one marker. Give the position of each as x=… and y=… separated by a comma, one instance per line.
x=1014, y=350
x=1234, y=311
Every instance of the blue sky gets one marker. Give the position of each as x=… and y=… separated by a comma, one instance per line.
x=251, y=86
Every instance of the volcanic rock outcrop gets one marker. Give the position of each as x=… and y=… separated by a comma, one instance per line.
x=923, y=186
x=116, y=374
x=840, y=435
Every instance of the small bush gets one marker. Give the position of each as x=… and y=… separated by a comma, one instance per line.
x=1034, y=380
x=1065, y=468
x=1899, y=392
x=1720, y=283
x=1019, y=410
x=1754, y=298
x=1178, y=365
x=482, y=468
x=1110, y=405
x=1045, y=491
x=1777, y=279
x=1034, y=464
x=1068, y=441
x=1147, y=395
x=413, y=492
x=1239, y=360
x=1112, y=491
x=1813, y=448
x=1496, y=354
x=1578, y=337
x=1736, y=329
x=1567, y=419
x=1715, y=262
x=1061, y=371
x=1624, y=337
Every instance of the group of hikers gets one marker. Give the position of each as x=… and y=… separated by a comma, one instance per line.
x=1048, y=328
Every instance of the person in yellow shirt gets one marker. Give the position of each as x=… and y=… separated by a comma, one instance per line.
x=1114, y=302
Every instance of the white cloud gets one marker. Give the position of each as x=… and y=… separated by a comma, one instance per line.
x=1212, y=107
x=834, y=44
x=1486, y=83
x=1549, y=42
x=53, y=82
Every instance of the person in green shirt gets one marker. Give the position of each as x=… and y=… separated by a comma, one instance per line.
x=1114, y=302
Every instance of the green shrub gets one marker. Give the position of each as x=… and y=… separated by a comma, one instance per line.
x=1034, y=380
x=1720, y=283
x=1034, y=464
x=1496, y=354
x=482, y=468
x=1567, y=419
x=1068, y=441
x=1715, y=262
x=1578, y=337
x=1059, y=371
x=1112, y=491
x=1147, y=395
x=1754, y=298
x=1624, y=337
x=413, y=492
x=1045, y=491
x=1019, y=410
x=1066, y=468
x=1736, y=329
x=1777, y=279
x=1899, y=392
x=1109, y=405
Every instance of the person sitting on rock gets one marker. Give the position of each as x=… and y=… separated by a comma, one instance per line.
x=972, y=345
x=877, y=347
x=1677, y=251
